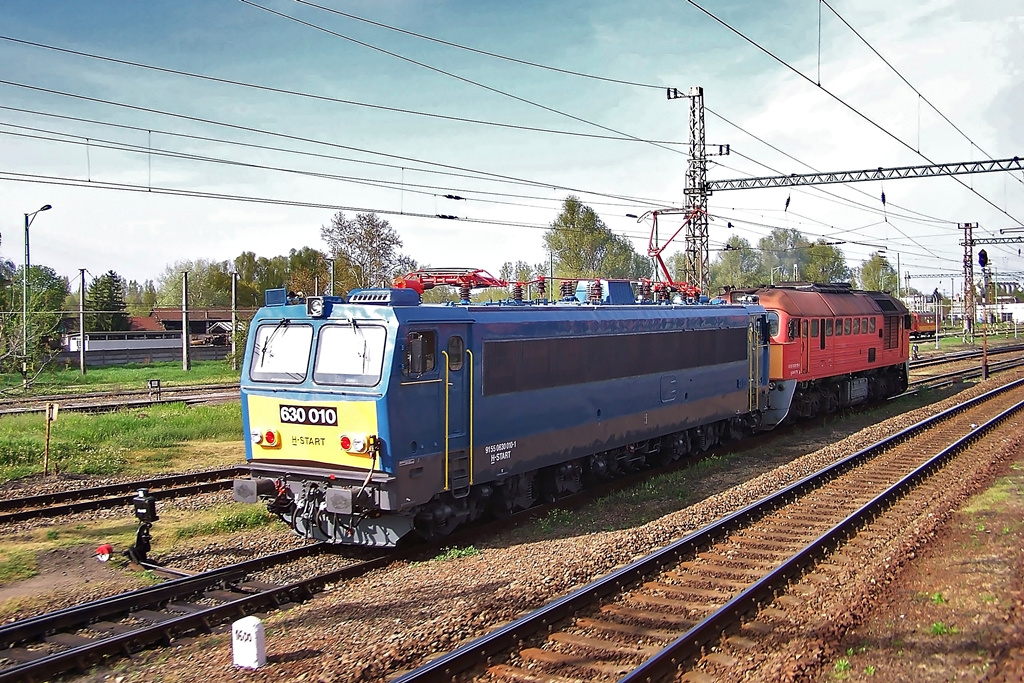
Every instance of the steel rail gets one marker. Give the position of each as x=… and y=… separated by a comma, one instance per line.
x=970, y=373
x=962, y=355
x=689, y=645
x=98, y=406
x=115, y=501
x=32, y=628
x=84, y=656
x=445, y=667
x=163, y=482
x=187, y=388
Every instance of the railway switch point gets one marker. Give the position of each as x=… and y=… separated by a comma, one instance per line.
x=248, y=645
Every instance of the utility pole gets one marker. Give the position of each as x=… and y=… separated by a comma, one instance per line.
x=186, y=360
x=968, y=243
x=81, y=320
x=234, y=320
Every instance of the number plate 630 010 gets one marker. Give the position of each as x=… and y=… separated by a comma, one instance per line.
x=309, y=415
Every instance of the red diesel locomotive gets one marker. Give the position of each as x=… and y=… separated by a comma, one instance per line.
x=833, y=346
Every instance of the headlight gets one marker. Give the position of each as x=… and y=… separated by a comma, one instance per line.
x=315, y=307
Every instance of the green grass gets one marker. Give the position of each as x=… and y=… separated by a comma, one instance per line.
x=57, y=380
x=235, y=518
x=455, y=553
x=100, y=443
x=16, y=565
x=941, y=629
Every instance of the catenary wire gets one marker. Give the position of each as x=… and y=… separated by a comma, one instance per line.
x=450, y=74
x=326, y=98
x=841, y=101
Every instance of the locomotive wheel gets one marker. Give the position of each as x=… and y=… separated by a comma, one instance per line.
x=516, y=493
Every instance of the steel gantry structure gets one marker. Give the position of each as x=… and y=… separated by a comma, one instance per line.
x=698, y=188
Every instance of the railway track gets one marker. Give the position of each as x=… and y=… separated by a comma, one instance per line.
x=116, y=495
x=934, y=381
x=116, y=400
x=682, y=605
x=963, y=355
x=79, y=637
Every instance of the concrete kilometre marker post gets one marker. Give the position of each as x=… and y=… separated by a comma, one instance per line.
x=247, y=643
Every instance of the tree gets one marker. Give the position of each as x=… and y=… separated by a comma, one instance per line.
x=366, y=251
x=737, y=265
x=825, y=263
x=520, y=271
x=46, y=294
x=105, y=297
x=876, y=274
x=582, y=246
x=140, y=298
x=308, y=271
x=209, y=284
x=257, y=274
x=784, y=251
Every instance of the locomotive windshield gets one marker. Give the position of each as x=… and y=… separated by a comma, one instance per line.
x=281, y=352
x=350, y=355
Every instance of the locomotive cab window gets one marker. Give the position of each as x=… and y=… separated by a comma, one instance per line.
x=773, y=323
x=828, y=327
x=814, y=329
x=350, y=355
x=456, y=350
x=280, y=352
x=856, y=325
x=847, y=326
x=420, y=352
x=871, y=325
x=794, y=328
x=839, y=327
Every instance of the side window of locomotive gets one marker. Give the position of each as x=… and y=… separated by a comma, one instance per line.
x=856, y=325
x=456, y=350
x=280, y=352
x=773, y=323
x=864, y=325
x=420, y=352
x=848, y=326
x=794, y=328
x=839, y=327
x=804, y=329
x=814, y=329
x=350, y=355
x=828, y=327
x=871, y=325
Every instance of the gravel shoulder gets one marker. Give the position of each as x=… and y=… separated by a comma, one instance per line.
x=395, y=618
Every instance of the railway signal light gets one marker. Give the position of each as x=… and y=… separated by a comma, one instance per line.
x=982, y=258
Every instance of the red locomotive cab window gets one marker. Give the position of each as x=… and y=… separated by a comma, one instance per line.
x=856, y=325
x=871, y=324
x=847, y=326
x=828, y=327
x=794, y=328
x=864, y=325
x=839, y=327
x=814, y=329
x=803, y=329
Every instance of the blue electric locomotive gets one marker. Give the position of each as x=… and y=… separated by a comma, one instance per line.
x=371, y=417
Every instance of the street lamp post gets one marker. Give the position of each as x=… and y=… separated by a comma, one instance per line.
x=29, y=217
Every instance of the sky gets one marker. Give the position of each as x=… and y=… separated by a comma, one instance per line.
x=74, y=127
